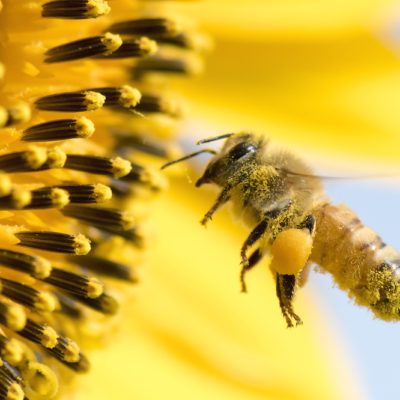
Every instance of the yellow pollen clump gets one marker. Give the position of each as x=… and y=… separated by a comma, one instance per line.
x=290, y=251
x=49, y=337
x=42, y=268
x=15, y=392
x=102, y=193
x=94, y=288
x=97, y=8
x=84, y=126
x=129, y=96
x=120, y=167
x=21, y=197
x=40, y=380
x=3, y=116
x=93, y=100
x=111, y=42
x=5, y=184
x=81, y=245
x=59, y=197
x=35, y=156
x=16, y=317
x=148, y=45
x=71, y=353
x=56, y=158
x=46, y=302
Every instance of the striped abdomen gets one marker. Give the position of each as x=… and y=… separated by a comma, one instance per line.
x=360, y=262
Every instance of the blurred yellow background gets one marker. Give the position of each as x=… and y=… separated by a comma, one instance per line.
x=317, y=75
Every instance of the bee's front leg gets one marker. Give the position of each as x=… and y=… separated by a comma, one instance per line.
x=221, y=200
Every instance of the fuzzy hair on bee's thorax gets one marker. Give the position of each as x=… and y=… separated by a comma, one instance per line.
x=263, y=179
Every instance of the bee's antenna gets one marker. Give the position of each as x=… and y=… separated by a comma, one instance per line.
x=212, y=139
x=211, y=151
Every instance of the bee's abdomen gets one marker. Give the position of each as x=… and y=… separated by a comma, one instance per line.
x=358, y=259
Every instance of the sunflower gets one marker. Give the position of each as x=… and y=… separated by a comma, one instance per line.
x=82, y=122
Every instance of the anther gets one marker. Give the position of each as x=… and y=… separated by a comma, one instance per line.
x=18, y=114
x=141, y=47
x=151, y=27
x=39, y=380
x=141, y=142
x=146, y=176
x=35, y=266
x=102, y=218
x=28, y=296
x=75, y=284
x=59, y=130
x=12, y=315
x=23, y=161
x=115, y=167
x=165, y=65
x=104, y=303
x=16, y=200
x=10, y=382
x=81, y=366
x=187, y=40
x=56, y=158
x=134, y=235
x=55, y=242
x=5, y=184
x=89, y=47
x=48, y=197
x=106, y=267
x=77, y=9
x=157, y=104
x=10, y=350
x=10, y=390
x=42, y=334
x=68, y=306
x=66, y=350
x=87, y=194
x=124, y=96
x=84, y=100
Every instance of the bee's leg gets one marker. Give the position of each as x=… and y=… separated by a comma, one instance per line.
x=222, y=199
x=255, y=234
x=308, y=223
x=285, y=290
x=290, y=252
x=251, y=262
x=260, y=229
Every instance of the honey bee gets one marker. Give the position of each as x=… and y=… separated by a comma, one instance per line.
x=294, y=223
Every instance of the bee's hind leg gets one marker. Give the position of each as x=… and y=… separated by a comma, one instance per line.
x=251, y=262
x=285, y=290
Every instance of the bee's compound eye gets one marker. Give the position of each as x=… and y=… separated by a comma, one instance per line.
x=241, y=149
x=290, y=251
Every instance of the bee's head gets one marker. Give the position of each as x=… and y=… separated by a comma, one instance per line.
x=237, y=150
